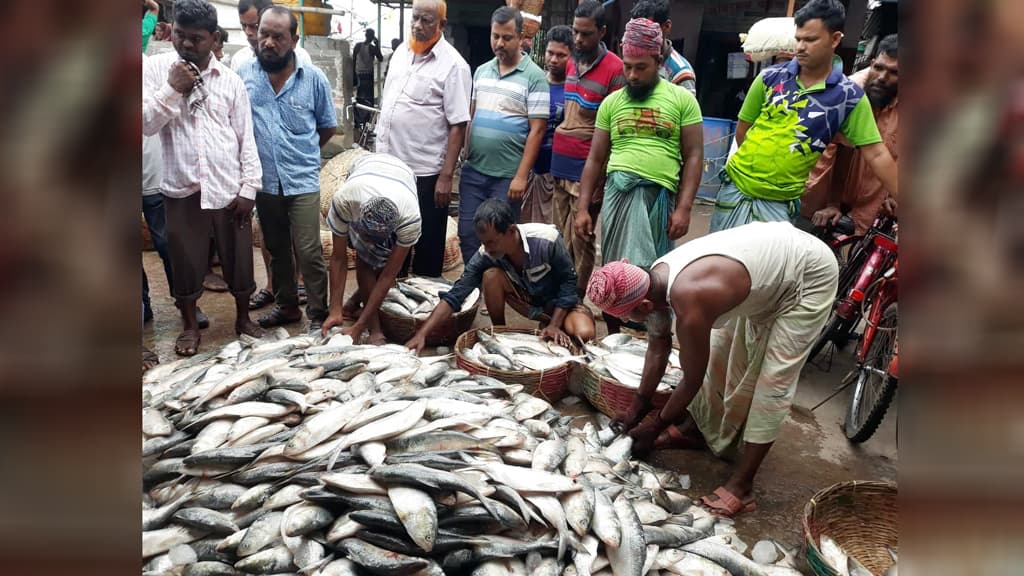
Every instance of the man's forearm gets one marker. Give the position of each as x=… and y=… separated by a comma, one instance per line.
x=533, y=142
x=456, y=136
x=385, y=282
x=689, y=183
x=558, y=318
x=695, y=348
x=337, y=268
x=655, y=362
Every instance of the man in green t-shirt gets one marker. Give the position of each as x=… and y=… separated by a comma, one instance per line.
x=790, y=115
x=643, y=133
x=149, y=21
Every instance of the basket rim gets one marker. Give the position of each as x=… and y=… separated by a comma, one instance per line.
x=845, y=486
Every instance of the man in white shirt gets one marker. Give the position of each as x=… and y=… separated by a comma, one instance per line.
x=424, y=112
x=211, y=166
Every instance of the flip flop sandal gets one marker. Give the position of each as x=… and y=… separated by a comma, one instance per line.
x=260, y=299
x=187, y=343
x=277, y=317
x=300, y=292
x=215, y=283
x=728, y=504
x=149, y=359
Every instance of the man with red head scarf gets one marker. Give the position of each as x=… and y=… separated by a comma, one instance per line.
x=643, y=134
x=748, y=304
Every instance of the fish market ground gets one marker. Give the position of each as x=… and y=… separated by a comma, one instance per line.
x=811, y=452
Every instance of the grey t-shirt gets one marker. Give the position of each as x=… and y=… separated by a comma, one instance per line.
x=152, y=165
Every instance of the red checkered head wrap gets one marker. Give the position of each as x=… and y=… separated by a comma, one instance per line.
x=618, y=287
x=642, y=38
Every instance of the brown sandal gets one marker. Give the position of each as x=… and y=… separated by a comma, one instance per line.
x=278, y=317
x=149, y=359
x=187, y=343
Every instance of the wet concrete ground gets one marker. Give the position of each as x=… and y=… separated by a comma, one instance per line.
x=811, y=453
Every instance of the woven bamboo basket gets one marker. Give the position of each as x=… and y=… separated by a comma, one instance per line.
x=401, y=328
x=609, y=396
x=452, y=253
x=531, y=25
x=535, y=7
x=861, y=516
x=551, y=385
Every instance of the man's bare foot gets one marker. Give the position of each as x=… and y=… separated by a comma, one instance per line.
x=215, y=282
x=249, y=328
x=376, y=339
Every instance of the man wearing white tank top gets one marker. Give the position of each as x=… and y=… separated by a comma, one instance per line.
x=748, y=304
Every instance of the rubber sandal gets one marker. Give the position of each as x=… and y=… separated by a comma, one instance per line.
x=277, y=317
x=187, y=343
x=260, y=299
x=300, y=292
x=215, y=283
x=149, y=359
x=728, y=504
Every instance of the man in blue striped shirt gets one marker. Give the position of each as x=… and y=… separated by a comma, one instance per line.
x=293, y=117
x=509, y=110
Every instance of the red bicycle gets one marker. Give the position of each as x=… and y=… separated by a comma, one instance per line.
x=867, y=291
x=877, y=372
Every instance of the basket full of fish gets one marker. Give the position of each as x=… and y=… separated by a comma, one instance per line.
x=851, y=529
x=300, y=455
x=409, y=303
x=611, y=376
x=519, y=356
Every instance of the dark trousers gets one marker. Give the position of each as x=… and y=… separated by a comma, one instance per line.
x=427, y=258
x=364, y=96
x=188, y=244
x=153, y=212
x=474, y=189
x=289, y=221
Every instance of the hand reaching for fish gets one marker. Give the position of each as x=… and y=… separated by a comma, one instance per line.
x=331, y=321
x=416, y=344
x=637, y=410
x=645, y=434
x=551, y=333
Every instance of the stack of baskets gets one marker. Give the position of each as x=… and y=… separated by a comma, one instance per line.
x=551, y=385
x=861, y=516
x=402, y=328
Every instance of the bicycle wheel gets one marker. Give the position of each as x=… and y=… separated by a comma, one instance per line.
x=837, y=330
x=874, y=388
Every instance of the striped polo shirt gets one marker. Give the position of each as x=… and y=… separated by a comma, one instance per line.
x=584, y=92
x=504, y=107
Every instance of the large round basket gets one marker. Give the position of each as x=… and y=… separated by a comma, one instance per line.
x=860, y=516
x=551, y=385
x=609, y=396
x=531, y=25
x=402, y=328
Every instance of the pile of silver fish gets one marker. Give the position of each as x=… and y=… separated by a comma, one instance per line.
x=846, y=565
x=417, y=297
x=300, y=455
x=621, y=357
x=517, y=351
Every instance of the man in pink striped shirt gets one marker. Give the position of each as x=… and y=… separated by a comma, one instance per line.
x=212, y=170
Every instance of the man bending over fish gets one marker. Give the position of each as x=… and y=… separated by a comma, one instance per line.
x=377, y=213
x=526, y=266
x=748, y=304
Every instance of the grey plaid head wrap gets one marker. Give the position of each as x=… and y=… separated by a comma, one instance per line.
x=379, y=216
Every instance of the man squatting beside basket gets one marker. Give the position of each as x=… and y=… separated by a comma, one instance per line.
x=749, y=303
x=526, y=266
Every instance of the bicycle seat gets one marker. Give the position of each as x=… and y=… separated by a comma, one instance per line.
x=845, y=225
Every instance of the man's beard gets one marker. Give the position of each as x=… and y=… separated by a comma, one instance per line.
x=639, y=93
x=880, y=97
x=421, y=46
x=272, y=63
x=584, y=56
